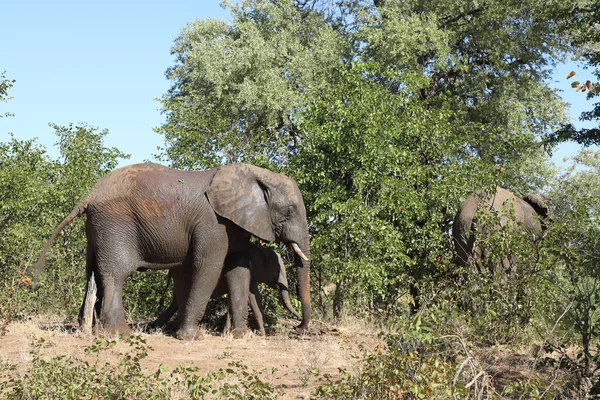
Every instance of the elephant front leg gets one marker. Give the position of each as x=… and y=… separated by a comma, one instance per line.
x=238, y=283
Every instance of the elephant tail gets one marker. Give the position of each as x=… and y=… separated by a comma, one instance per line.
x=36, y=270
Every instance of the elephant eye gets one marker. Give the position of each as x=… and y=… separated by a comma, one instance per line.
x=285, y=213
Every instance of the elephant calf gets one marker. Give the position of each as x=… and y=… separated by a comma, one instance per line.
x=266, y=266
x=527, y=214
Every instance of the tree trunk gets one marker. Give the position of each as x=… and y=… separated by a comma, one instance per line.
x=88, y=307
x=338, y=301
x=414, y=294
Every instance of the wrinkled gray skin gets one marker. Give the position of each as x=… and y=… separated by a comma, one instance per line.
x=266, y=266
x=530, y=214
x=148, y=216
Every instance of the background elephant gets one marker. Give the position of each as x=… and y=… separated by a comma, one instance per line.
x=266, y=266
x=527, y=214
x=148, y=216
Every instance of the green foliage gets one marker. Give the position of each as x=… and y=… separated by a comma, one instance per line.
x=584, y=35
x=411, y=365
x=25, y=198
x=572, y=248
x=395, y=374
x=83, y=160
x=35, y=194
x=373, y=201
x=491, y=60
x=72, y=378
x=387, y=116
x=236, y=87
x=234, y=382
x=503, y=287
x=5, y=85
x=146, y=294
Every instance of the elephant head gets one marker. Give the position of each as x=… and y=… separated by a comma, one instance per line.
x=268, y=268
x=538, y=203
x=269, y=206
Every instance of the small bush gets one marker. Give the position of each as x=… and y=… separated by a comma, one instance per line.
x=67, y=378
x=409, y=367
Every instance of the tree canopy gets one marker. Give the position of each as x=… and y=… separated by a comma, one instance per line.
x=584, y=35
x=387, y=113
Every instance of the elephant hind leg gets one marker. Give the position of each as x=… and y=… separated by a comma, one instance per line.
x=112, y=274
x=112, y=316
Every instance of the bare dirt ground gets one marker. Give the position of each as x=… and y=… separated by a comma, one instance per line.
x=326, y=349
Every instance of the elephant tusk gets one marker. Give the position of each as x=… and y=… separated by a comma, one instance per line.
x=298, y=251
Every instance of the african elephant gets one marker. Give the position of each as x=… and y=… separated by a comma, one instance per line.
x=527, y=214
x=266, y=266
x=148, y=216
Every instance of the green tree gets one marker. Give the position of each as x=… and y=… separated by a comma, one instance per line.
x=374, y=107
x=573, y=248
x=236, y=88
x=35, y=194
x=83, y=161
x=25, y=177
x=585, y=38
x=489, y=60
x=378, y=184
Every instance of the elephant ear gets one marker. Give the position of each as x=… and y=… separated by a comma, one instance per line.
x=238, y=193
x=538, y=203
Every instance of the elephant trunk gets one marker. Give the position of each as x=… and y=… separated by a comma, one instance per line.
x=284, y=294
x=304, y=282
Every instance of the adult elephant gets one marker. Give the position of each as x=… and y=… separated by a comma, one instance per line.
x=527, y=214
x=148, y=216
x=266, y=266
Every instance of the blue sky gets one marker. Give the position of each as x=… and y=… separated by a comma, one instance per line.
x=99, y=62
x=103, y=63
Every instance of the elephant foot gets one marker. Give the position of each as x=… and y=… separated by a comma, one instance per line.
x=172, y=326
x=300, y=329
x=240, y=333
x=120, y=328
x=189, y=334
x=154, y=324
x=270, y=331
x=151, y=328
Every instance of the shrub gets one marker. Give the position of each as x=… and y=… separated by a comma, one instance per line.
x=68, y=378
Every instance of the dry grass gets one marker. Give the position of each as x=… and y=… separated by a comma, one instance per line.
x=287, y=362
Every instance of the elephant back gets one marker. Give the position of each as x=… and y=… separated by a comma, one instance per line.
x=508, y=206
x=121, y=182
